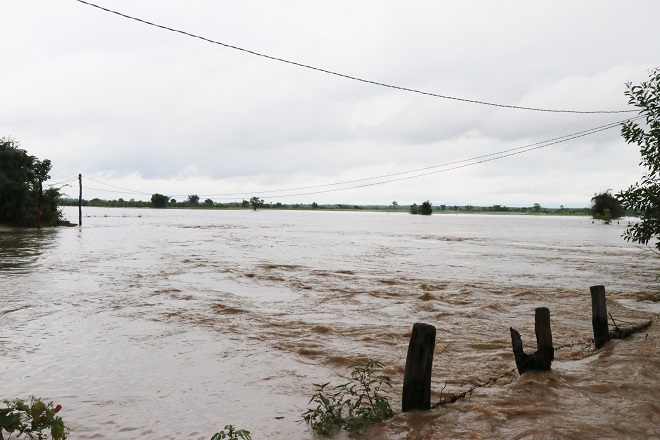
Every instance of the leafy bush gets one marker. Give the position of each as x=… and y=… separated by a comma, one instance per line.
x=352, y=406
x=31, y=420
x=231, y=433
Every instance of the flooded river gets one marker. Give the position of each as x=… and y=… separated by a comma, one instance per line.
x=170, y=324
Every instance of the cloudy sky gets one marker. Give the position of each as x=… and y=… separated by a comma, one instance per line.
x=149, y=110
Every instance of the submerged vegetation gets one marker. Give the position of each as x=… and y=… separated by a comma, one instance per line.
x=352, y=406
x=424, y=209
x=606, y=207
x=230, y=432
x=34, y=420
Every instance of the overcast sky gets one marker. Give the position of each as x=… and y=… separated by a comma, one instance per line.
x=146, y=109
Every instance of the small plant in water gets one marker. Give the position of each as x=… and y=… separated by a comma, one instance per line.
x=231, y=433
x=31, y=420
x=352, y=406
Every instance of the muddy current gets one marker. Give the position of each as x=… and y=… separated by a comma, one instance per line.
x=171, y=324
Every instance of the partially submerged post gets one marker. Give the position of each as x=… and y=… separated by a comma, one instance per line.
x=419, y=362
x=599, y=316
x=544, y=335
x=545, y=353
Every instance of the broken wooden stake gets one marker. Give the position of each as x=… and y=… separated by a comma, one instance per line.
x=623, y=333
x=545, y=353
x=599, y=316
x=419, y=362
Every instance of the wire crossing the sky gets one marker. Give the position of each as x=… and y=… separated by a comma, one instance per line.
x=62, y=182
x=342, y=75
x=525, y=147
x=388, y=178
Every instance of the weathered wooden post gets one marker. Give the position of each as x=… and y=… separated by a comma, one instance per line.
x=599, y=316
x=545, y=352
x=419, y=362
x=544, y=336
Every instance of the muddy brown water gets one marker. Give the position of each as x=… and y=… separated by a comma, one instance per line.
x=171, y=324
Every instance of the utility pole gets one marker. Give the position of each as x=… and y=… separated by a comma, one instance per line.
x=80, y=201
x=41, y=202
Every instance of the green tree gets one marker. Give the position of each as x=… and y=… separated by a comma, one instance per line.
x=193, y=199
x=644, y=197
x=255, y=202
x=426, y=208
x=159, y=200
x=605, y=206
x=23, y=202
x=208, y=202
x=414, y=209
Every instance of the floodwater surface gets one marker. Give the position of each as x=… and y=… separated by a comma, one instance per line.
x=171, y=324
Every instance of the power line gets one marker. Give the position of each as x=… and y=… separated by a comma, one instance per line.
x=342, y=75
x=572, y=135
x=502, y=156
x=115, y=191
x=456, y=165
x=62, y=182
x=129, y=191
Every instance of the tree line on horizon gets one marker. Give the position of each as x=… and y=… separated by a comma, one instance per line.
x=25, y=203
x=246, y=204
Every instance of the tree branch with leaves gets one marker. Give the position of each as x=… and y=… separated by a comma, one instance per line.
x=644, y=197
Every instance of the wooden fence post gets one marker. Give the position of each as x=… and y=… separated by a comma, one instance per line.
x=544, y=336
x=419, y=362
x=545, y=353
x=599, y=316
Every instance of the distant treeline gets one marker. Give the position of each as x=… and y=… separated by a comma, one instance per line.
x=245, y=204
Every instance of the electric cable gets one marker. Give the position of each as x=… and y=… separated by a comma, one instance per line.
x=115, y=191
x=342, y=75
x=440, y=171
x=589, y=131
x=61, y=182
x=457, y=165
x=130, y=191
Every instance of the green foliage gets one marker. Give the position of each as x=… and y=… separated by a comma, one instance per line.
x=606, y=207
x=423, y=209
x=193, y=199
x=33, y=421
x=644, y=197
x=22, y=199
x=352, y=406
x=159, y=200
x=426, y=208
x=256, y=202
x=231, y=433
